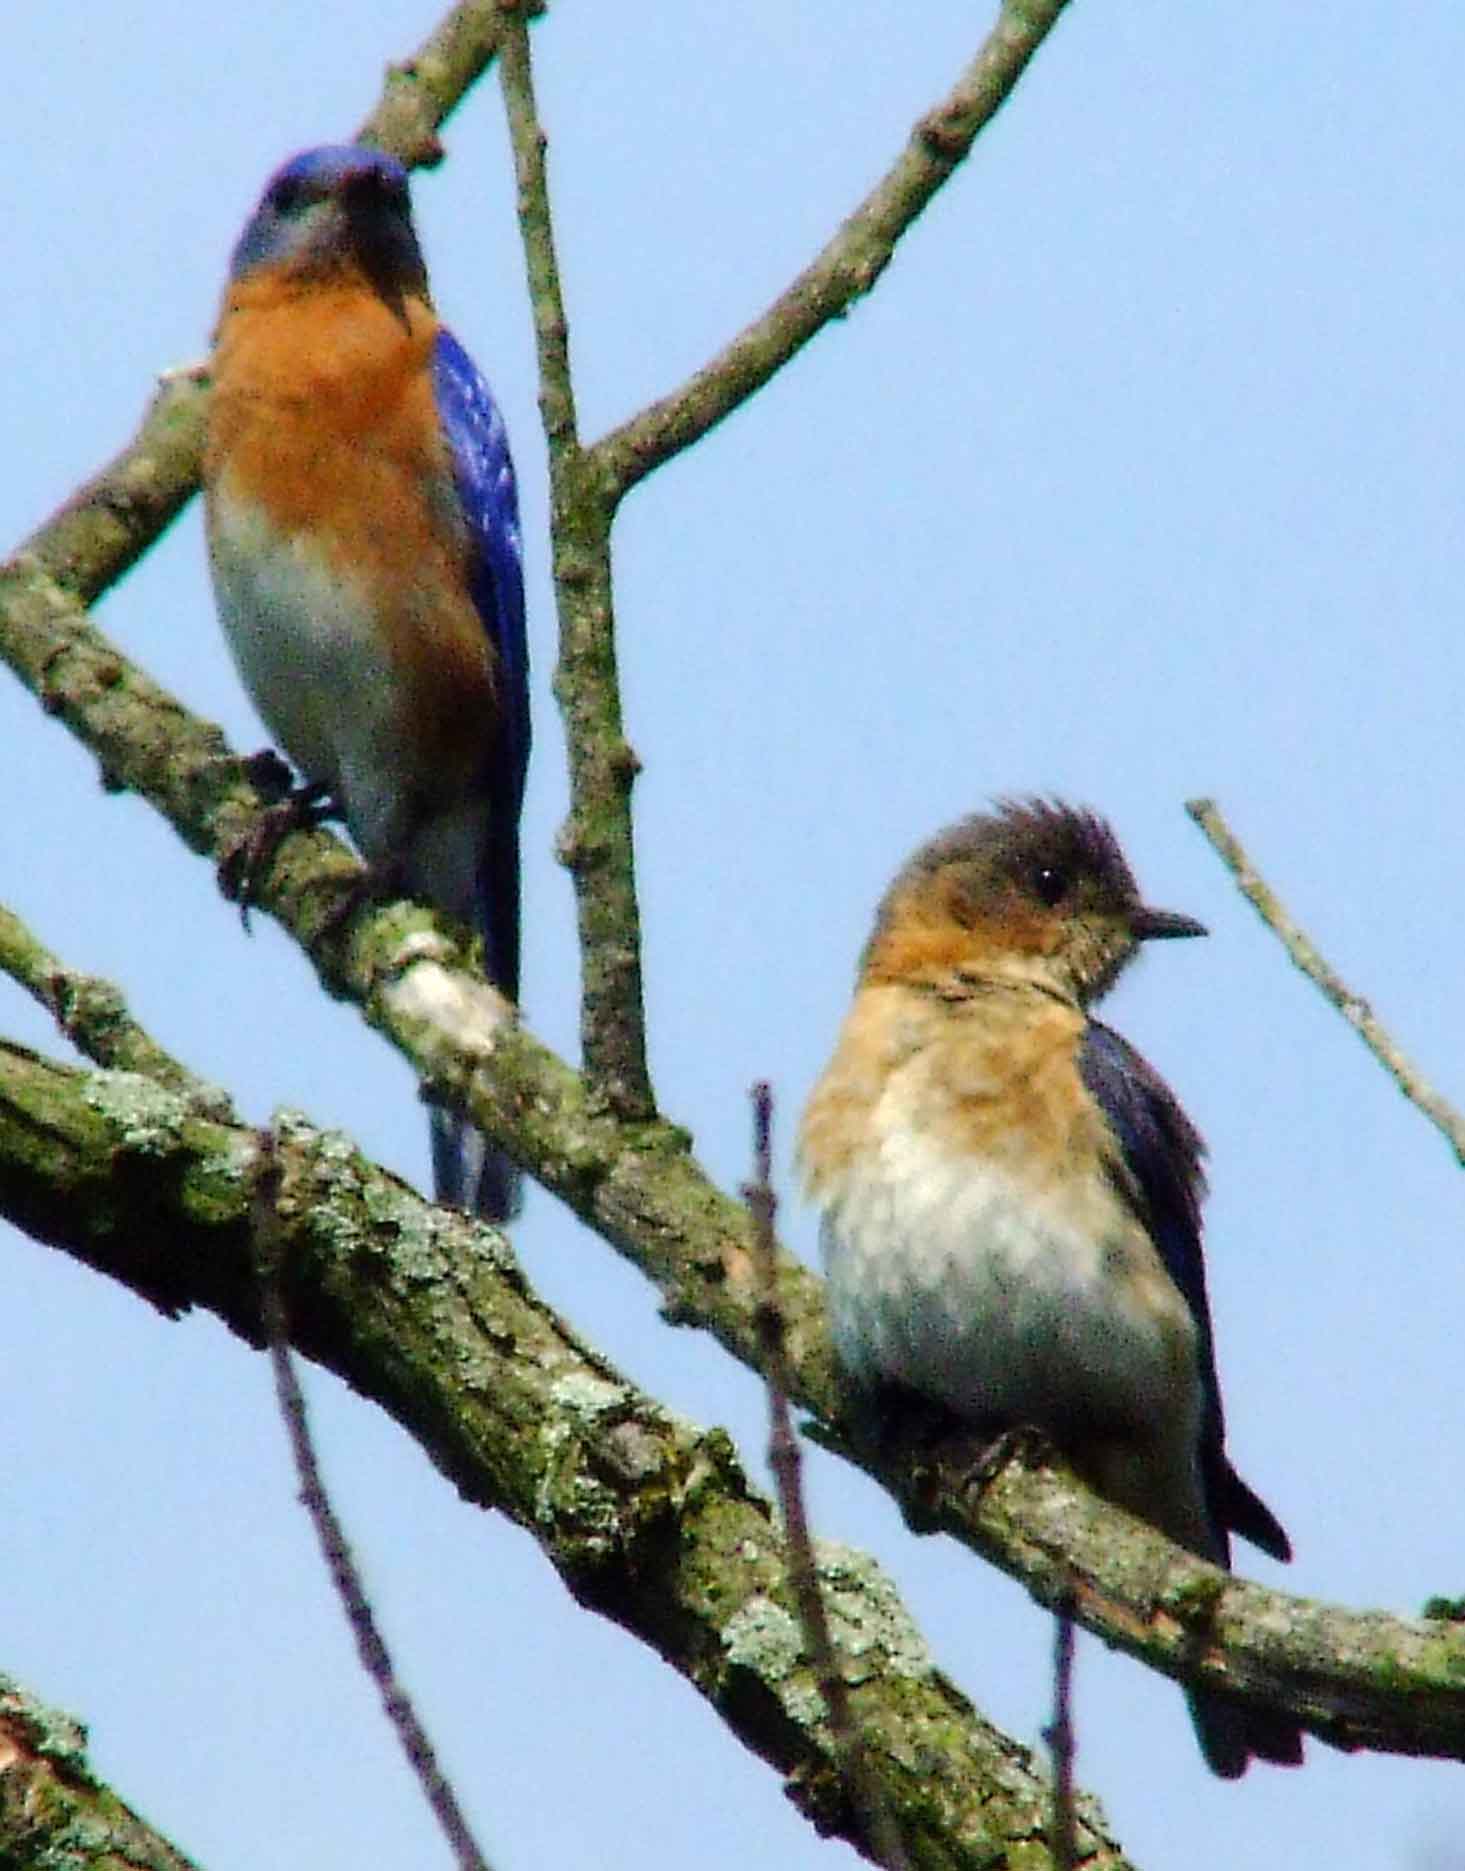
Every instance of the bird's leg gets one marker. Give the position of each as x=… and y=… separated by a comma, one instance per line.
x=965, y=1458
x=291, y=808
x=985, y=1450
x=376, y=883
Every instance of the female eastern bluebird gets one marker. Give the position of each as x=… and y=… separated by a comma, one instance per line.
x=363, y=532
x=1011, y=1194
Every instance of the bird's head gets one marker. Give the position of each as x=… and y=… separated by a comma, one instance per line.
x=1034, y=893
x=331, y=211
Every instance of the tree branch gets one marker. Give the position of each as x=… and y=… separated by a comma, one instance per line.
x=586, y=486
x=648, y=1519
x=52, y=1810
x=94, y=1016
x=110, y=521
x=424, y=90
x=846, y=269
x=786, y=1461
x=1354, y=1009
x=1355, y=1678
x=345, y=1575
x=596, y=844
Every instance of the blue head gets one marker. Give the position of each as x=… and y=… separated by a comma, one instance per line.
x=334, y=209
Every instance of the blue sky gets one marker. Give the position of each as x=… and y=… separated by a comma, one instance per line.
x=1137, y=477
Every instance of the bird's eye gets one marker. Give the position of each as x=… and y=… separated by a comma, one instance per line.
x=290, y=195
x=1050, y=883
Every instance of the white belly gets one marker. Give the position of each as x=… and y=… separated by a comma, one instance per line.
x=1004, y=1303
x=302, y=640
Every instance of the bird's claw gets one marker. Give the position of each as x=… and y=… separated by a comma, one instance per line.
x=293, y=808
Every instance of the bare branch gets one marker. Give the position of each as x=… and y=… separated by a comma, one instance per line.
x=847, y=268
x=1342, y=1673
x=53, y=1811
x=335, y=1548
x=648, y=1519
x=596, y=843
x=116, y=516
x=93, y=1015
x=1354, y=1009
x=1355, y=1679
x=110, y=521
x=1060, y=1738
x=425, y=89
x=787, y=1464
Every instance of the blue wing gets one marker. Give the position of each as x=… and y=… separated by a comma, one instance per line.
x=468, y=1170
x=1163, y=1181
x=484, y=474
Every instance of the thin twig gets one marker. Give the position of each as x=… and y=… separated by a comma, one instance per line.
x=94, y=1016
x=786, y=1461
x=848, y=266
x=1354, y=1009
x=1063, y=1837
x=1348, y=1677
x=596, y=844
x=644, y=1516
x=644, y=1193
x=345, y=1577
x=546, y=297
x=423, y=90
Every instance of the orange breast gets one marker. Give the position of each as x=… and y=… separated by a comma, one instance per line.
x=324, y=417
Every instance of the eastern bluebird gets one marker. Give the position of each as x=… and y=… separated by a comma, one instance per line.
x=363, y=532
x=1011, y=1195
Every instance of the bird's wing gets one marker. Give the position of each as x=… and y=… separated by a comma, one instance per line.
x=484, y=475
x=1161, y=1177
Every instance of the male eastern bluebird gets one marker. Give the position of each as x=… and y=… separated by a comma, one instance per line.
x=1011, y=1194
x=363, y=531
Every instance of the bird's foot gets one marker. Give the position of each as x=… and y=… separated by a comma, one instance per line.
x=985, y=1452
x=291, y=809
x=375, y=883
x=963, y=1459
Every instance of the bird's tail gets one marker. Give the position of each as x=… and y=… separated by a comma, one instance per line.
x=468, y=1171
x=1233, y=1733
x=471, y=1173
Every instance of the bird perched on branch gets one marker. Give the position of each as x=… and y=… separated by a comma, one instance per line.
x=1011, y=1195
x=363, y=533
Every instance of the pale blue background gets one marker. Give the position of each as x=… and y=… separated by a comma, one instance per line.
x=1137, y=477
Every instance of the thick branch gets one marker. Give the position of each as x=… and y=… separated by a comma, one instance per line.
x=1353, y=1007
x=596, y=844
x=847, y=268
x=1378, y=1681
x=636, y=1183
x=649, y=1520
x=1359, y=1679
x=52, y=1810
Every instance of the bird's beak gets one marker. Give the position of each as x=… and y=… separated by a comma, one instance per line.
x=1148, y=924
x=383, y=244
